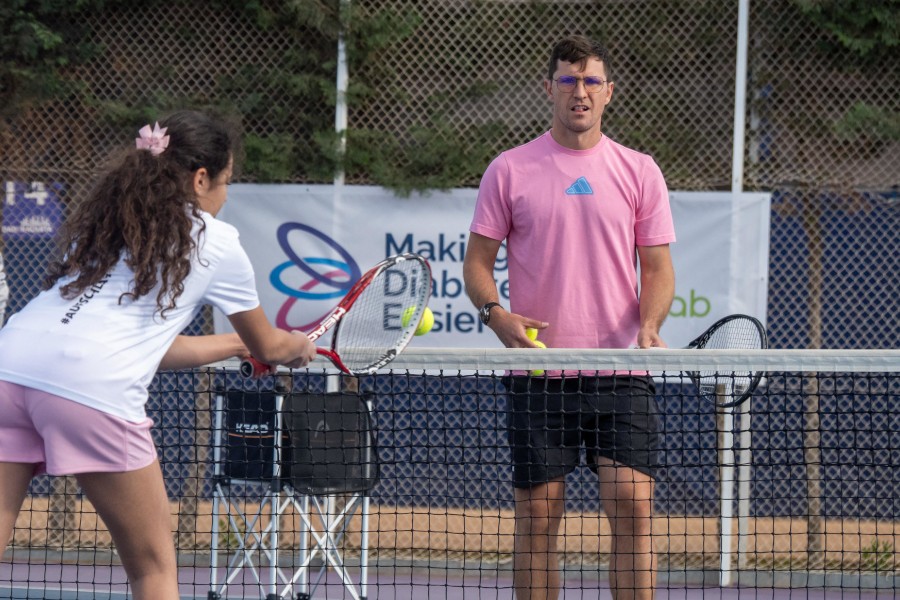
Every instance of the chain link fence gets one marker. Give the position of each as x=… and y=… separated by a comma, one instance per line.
x=467, y=84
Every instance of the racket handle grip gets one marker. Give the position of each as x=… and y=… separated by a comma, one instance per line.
x=254, y=369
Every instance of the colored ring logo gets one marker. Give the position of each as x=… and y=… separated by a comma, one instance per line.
x=337, y=279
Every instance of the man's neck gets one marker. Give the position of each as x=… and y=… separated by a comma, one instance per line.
x=576, y=141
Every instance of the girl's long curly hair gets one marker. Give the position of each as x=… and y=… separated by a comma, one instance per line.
x=143, y=209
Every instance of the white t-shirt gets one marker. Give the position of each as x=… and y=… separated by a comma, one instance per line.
x=103, y=353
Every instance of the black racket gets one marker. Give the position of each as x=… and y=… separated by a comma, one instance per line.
x=375, y=321
x=734, y=332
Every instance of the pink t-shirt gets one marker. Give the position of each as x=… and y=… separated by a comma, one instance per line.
x=572, y=220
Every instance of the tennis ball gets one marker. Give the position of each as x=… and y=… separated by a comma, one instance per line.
x=531, y=332
x=426, y=322
x=539, y=344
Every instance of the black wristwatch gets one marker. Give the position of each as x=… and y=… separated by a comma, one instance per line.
x=484, y=313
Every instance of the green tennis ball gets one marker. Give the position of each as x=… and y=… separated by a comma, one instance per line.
x=426, y=323
x=539, y=344
x=531, y=332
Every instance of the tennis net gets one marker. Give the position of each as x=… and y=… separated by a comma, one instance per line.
x=795, y=488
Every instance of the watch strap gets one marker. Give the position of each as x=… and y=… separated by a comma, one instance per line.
x=484, y=313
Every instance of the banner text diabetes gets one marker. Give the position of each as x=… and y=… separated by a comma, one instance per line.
x=450, y=249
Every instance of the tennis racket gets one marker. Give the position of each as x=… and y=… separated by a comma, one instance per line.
x=374, y=322
x=734, y=332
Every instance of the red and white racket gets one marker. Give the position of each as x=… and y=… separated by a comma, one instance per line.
x=375, y=321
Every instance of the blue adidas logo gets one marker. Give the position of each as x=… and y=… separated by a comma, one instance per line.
x=581, y=187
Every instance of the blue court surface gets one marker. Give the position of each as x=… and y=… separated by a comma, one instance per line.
x=104, y=582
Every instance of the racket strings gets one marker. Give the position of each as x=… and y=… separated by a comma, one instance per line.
x=385, y=315
x=739, y=334
x=736, y=334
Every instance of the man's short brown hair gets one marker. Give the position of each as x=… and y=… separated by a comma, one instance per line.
x=578, y=49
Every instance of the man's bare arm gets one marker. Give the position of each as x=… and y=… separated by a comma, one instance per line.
x=657, y=292
x=478, y=273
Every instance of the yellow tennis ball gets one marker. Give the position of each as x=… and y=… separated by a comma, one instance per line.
x=539, y=344
x=426, y=323
x=531, y=332
x=407, y=315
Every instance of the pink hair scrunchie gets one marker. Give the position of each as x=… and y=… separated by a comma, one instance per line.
x=155, y=140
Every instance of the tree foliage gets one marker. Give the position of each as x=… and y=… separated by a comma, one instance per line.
x=40, y=41
x=867, y=30
x=290, y=104
x=45, y=41
x=861, y=35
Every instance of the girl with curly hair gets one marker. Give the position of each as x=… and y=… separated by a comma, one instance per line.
x=140, y=256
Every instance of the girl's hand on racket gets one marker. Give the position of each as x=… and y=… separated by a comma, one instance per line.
x=270, y=345
x=306, y=351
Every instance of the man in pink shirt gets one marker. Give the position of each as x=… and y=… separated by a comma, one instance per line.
x=578, y=212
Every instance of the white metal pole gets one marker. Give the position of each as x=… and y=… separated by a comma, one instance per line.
x=740, y=96
x=727, y=500
x=333, y=381
x=341, y=84
x=744, y=457
x=726, y=495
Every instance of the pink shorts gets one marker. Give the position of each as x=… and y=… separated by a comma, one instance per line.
x=63, y=437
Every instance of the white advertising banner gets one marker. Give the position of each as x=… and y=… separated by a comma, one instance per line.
x=309, y=243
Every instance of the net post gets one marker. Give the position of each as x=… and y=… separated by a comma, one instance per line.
x=725, y=438
x=745, y=473
x=812, y=458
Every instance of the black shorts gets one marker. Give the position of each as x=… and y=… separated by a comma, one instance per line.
x=550, y=420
